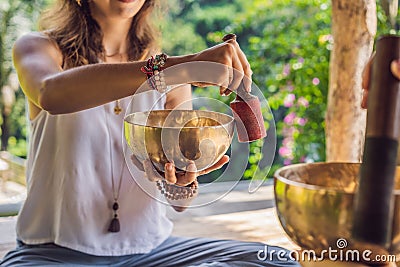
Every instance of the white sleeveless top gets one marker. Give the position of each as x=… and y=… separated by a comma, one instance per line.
x=70, y=196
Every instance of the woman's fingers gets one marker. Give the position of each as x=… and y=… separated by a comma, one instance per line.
x=237, y=68
x=216, y=166
x=364, y=100
x=367, y=73
x=224, y=88
x=241, y=67
x=181, y=179
x=137, y=163
x=170, y=173
x=189, y=177
x=151, y=174
x=395, y=68
x=366, y=77
x=245, y=66
x=237, y=72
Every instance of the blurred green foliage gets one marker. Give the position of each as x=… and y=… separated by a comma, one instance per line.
x=288, y=46
x=287, y=42
x=16, y=18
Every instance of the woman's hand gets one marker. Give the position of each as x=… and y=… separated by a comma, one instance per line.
x=237, y=69
x=394, y=68
x=181, y=179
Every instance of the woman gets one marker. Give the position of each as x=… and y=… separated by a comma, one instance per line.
x=78, y=76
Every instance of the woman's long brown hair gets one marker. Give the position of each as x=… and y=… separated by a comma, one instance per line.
x=79, y=36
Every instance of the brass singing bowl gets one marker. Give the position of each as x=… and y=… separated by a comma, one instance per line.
x=314, y=204
x=179, y=136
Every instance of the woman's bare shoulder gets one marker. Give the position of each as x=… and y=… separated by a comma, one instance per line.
x=35, y=42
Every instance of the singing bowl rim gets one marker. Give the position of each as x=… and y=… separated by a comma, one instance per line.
x=278, y=176
x=225, y=125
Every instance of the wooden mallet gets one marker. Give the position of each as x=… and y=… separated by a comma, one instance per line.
x=247, y=111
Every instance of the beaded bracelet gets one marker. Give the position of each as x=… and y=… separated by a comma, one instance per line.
x=175, y=192
x=153, y=70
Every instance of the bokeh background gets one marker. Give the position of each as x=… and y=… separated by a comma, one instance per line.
x=288, y=45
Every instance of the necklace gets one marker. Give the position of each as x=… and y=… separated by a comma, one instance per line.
x=117, y=107
x=114, y=225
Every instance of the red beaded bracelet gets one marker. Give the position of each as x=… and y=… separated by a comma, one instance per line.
x=153, y=70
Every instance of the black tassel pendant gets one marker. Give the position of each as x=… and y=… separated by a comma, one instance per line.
x=114, y=225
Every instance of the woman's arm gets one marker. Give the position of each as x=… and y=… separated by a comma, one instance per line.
x=39, y=65
x=180, y=97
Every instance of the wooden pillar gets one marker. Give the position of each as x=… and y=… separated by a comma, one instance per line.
x=353, y=29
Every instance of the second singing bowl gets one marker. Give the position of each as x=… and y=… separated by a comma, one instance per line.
x=179, y=136
x=314, y=204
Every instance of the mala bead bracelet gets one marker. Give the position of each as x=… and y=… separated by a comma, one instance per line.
x=153, y=70
x=176, y=192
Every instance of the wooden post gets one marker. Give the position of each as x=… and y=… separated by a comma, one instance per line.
x=353, y=28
